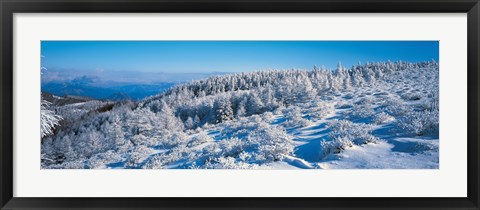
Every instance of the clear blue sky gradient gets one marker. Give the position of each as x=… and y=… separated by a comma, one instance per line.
x=226, y=56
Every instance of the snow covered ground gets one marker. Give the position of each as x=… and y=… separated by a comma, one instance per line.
x=394, y=151
x=376, y=116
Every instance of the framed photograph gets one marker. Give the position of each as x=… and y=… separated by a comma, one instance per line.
x=239, y=105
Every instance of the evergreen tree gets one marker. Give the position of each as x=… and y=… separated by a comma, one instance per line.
x=223, y=110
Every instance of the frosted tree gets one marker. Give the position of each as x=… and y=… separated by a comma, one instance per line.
x=304, y=89
x=63, y=148
x=270, y=143
x=241, y=111
x=223, y=110
x=369, y=75
x=358, y=79
x=347, y=81
x=268, y=98
x=48, y=119
x=168, y=119
x=339, y=67
x=254, y=104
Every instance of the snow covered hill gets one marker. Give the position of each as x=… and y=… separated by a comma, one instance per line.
x=377, y=115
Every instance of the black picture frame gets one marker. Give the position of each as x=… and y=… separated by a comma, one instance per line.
x=9, y=7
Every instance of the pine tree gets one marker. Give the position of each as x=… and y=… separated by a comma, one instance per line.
x=241, y=111
x=223, y=110
x=254, y=104
x=168, y=119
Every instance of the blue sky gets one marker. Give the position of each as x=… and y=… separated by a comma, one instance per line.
x=95, y=57
x=226, y=56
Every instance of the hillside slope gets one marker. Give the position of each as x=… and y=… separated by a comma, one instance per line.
x=377, y=115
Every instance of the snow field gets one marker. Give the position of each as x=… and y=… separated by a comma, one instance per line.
x=380, y=115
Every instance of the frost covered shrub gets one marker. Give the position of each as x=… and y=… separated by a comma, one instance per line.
x=137, y=156
x=269, y=144
x=267, y=116
x=245, y=156
x=141, y=139
x=412, y=96
x=77, y=164
x=207, y=125
x=231, y=147
x=158, y=161
x=212, y=150
x=434, y=100
x=361, y=111
x=199, y=139
x=101, y=159
x=382, y=117
x=294, y=118
x=343, y=105
x=431, y=102
x=242, y=127
x=296, y=121
x=47, y=152
x=365, y=100
x=227, y=163
x=420, y=123
x=321, y=110
x=161, y=160
x=178, y=138
x=334, y=146
x=425, y=146
x=396, y=107
x=292, y=111
x=358, y=133
x=51, y=152
x=183, y=152
x=88, y=143
x=279, y=110
x=63, y=147
x=166, y=139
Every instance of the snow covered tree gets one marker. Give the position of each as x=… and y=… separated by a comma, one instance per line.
x=303, y=90
x=421, y=123
x=168, y=119
x=339, y=66
x=223, y=110
x=270, y=143
x=254, y=104
x=241, y=111
x=48, y=119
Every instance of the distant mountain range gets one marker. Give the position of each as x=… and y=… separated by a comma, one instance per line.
x=116, y=85
x=119, y=92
